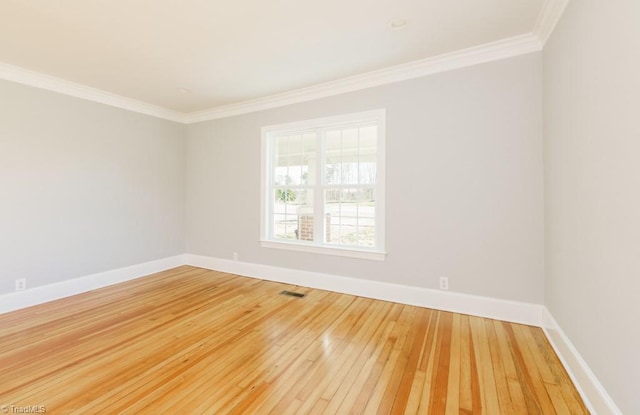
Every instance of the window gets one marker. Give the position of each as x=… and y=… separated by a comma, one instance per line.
x=323, y=185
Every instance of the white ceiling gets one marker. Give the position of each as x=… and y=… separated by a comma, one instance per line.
x=225, y=52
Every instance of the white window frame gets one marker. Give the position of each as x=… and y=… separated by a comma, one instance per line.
x=266, y=233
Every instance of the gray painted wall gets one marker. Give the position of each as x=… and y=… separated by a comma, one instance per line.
x=84, y=187
x=464, y=182
x=592, y=188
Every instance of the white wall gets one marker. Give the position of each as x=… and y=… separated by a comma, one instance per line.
x=464, y=182
x=84, y=187
x=592, y=188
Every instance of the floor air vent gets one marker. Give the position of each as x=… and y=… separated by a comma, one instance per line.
x=292, y=294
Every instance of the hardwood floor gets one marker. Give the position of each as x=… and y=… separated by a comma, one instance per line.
x=194, y=341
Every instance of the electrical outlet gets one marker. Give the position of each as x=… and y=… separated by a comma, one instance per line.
x=235, y=256
x=21, y=284
x=444, y=283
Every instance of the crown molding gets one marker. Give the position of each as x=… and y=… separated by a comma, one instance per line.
x=51, y=83
x=548, y=18
x=501, y=49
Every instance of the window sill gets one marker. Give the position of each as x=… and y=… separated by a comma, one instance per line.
x=325, y=250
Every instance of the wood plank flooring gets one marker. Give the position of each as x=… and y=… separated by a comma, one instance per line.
x=193, y=341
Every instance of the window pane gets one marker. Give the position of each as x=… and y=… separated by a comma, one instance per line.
x=351, y=155
x=305, y=224
x=293, y=214
x=350, y=216
x=333, y=157
x=367, y=155
x=308, y=159
x=294, y=159
x=281, y=213
x=281, y=160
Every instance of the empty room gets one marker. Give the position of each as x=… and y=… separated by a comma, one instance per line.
x=304, y=207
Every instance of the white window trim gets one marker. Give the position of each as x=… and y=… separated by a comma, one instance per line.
x=377, y=254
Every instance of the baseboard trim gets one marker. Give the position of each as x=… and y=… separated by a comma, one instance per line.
x=593, y=393
x=43, y=294
x=506, y=310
